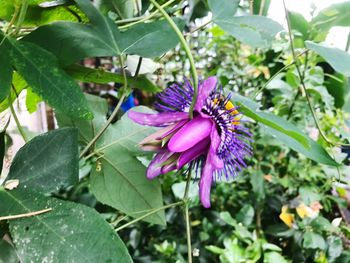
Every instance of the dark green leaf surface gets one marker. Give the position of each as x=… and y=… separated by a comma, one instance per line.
x=40, y=70
x=314, y=241
x=103, y=77
x=256, y=31
x=7, y=253
x=73, y=41
x=5, y=72
x=47, y=162
x=69, y=233
x=338, y=59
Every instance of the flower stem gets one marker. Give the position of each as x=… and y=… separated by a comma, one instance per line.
x=187, y=216
x=113, y=115
x=148, y=214
x=141, y=19
x=308, y=98
x=187, y=51
x=19, y=126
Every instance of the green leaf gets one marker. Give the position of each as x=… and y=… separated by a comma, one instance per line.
x=7, y=253
x=334, y=15
x=256, y=31
x=47, y=162
x=337, y=85
x=284, y=131
x=5, y=72
x=338, y=59
x=37, y=15
x=313, y=240
x=251, y=110
x=272, y=257
x=118, y=178
x=103, y=77
x=246, y=215
x=71, y=42
x=40, y=70
x=69, y=233
x=124, y=8
x=335, y=247
x=19, y=84
x=299, y=23
x=32, y=100
x=223, y=9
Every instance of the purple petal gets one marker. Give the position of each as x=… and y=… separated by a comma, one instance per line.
x=174, y=128
x=158, y=119
x=193, y=153
x=169, y=167
x=190, y=134
x=154, y=169
x=212, y=164
x=203, y=92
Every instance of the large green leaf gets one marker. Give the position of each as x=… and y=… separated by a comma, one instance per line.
x=338, y=59
x=71, y=42
x=256, y=31
x=47, y=162
x=284, y=131
x=223, y=9
x=69, y=233
x=5, y=73
x=334, y=15
x=124, y=8
x=103, y=77
x=40, y=70
x=118, y=178
x=19, y=85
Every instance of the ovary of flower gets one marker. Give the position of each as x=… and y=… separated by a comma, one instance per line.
x=287, y=218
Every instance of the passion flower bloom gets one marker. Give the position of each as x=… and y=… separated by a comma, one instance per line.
x=213, y=141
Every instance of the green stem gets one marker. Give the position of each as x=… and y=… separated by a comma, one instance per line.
x=308, y=98
x=113, y=115
x=148, y=214
x=19, y=126
x=277, y=73
x=187, y=216
x=141, y=19
x=187, y=51
x=21, y=17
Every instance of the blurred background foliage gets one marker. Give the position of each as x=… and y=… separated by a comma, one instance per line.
x=285, y=207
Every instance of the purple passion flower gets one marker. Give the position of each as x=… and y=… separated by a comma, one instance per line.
x=213, y=141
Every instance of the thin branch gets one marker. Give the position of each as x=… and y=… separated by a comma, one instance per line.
x=277, y=73
x=113, y=115
x=198, y=28
x=142, y=19
x=187, y=51
x=25, y=215
x=187, y=216
x=148, y=214
x=308, y=98
x=18, y=124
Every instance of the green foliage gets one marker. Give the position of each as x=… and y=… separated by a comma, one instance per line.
x=286, y=206
x=102, y=38
x=337, y=58
x=59, y=149
x=117, y=177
